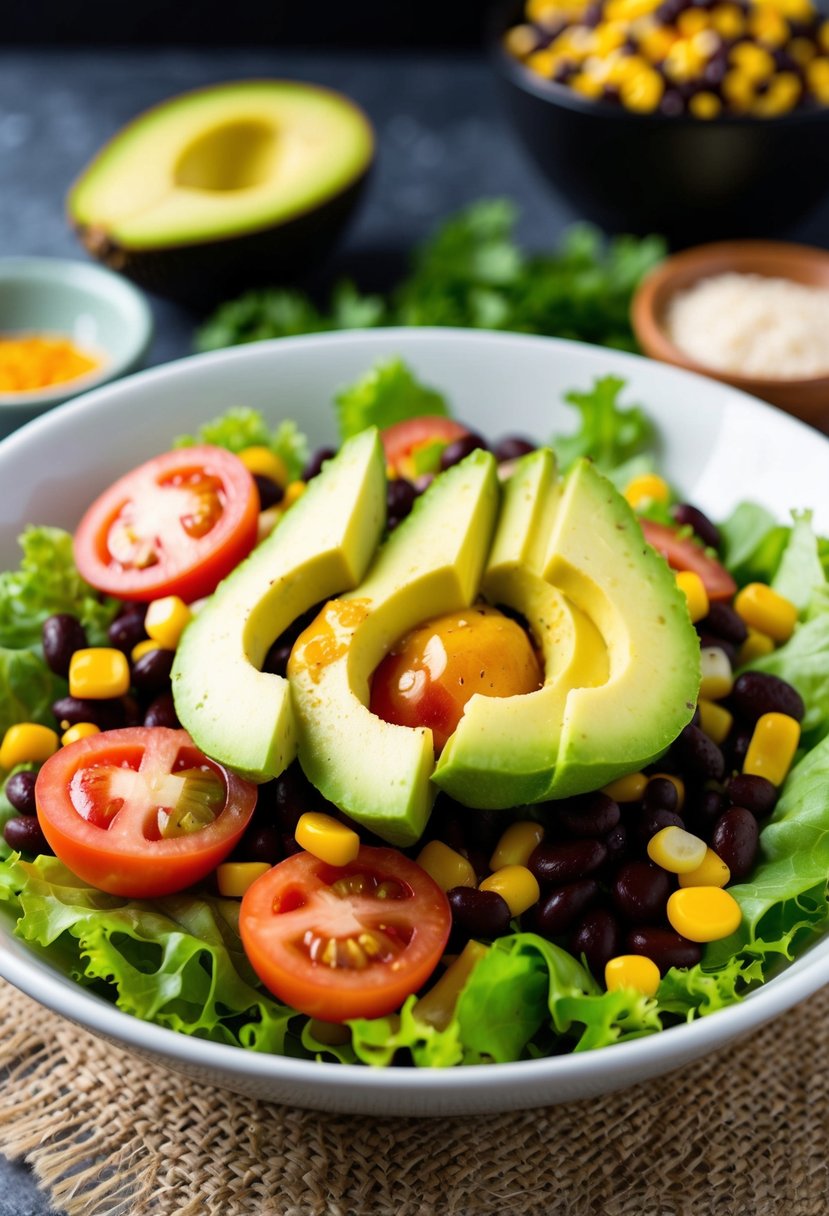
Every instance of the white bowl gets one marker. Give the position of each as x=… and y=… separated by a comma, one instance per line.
x=719, y=447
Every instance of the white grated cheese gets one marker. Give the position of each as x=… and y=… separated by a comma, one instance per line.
x=757, y=326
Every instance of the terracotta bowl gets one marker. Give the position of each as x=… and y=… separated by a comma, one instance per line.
x=806, y=398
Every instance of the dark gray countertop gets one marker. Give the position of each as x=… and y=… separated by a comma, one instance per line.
x=442, y=144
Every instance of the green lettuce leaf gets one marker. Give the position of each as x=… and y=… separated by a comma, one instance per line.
x=240, y=427
x=752, y=543
x=800, y=573
x=803, y=661
x=609, y=434
x=27, y=689
x=386, y=394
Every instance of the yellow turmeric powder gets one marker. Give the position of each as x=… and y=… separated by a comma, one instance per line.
x=33, y=361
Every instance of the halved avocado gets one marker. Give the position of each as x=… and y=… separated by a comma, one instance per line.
x=225, y=187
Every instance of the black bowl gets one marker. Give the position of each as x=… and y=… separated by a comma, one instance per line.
x=688, y=179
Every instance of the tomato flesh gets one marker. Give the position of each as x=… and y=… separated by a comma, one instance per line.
x=427, y=679
x=403, y=440
x=683, y=553
x=345, y=942
x=141, y=812
x=176, y=525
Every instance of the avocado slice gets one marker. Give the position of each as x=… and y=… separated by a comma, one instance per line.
x=235, y=712
x=225, y=186
x=377, y=772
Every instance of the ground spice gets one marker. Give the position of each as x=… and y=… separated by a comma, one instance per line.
x=33, y=361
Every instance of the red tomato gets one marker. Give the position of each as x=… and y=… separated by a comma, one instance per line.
x=430, y=675
x=683, y=553
x=345, y=942
x=140, y=812
x=175, y=525
x=404, y=438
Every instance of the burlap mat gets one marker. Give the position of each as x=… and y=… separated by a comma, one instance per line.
x=744, y=1133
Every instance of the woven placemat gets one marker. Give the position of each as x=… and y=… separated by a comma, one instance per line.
x=743, y=1133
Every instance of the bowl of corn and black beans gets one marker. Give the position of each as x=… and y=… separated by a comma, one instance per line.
x=698, y=120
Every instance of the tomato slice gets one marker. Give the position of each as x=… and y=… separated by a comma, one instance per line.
x=345, y=942
x=683, y=553
x=175, y=525
x=402, y=441
x=141, y=812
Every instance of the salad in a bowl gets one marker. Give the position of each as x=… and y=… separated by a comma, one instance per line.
x=433, y=749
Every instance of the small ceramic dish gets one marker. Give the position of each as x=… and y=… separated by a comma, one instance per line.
x=97, y=310
x=806, y=398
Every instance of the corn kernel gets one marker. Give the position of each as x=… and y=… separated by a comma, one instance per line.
x=587, y=85
x=437, y=1007
x=648, y=487
x=676, y=782
x=609, y=36
x=703, y=914
x=727, y=20
x=81, y=730
x=717, y=676
x=705, y=105
x=629, y=788
x=516, y=885
x=233, y=878
x=738, y=89
x=706, y=43
x=817, y=75
x=715, y=720
x=656, y=43
x=711, y=872
x=802, y=51
x=677, y=851
x=753, y=60
x=692, y=21
x=772, y=747
x=146, y=647
x=693, y=588
x=516, y=844
x=766, y=610
x=768, y=26
x=632, y=971
x=262, y=461
x=823, y=36
x=293, y=492
x=642, y=93
x=520, y=40
x=782, y=95
x=27, y=743
x=327, y=838
x=683, y=62
x=166, y=620
x=447, y=867
x=99, y=672
x=755, y=646
x=628, y=67
x=542, y=62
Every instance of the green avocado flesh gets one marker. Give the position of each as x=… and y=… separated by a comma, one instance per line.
x=235, y=712
x=222, y=162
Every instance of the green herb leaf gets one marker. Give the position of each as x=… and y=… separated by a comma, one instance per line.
x=608, y=434
x=387, y=394
x=240, y=427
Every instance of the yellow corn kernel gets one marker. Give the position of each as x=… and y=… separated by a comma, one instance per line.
x=766, y=610
x=446, y=866
x=711, y=872
x=683, y=62
x=772, y=747
x=768, y=26
x=632, y=971
x=782, y=95
x=262, y=461
x=516, y=885
x=99, y=672
x=802, y=51
x=516, y=844
x=677, y=851
x=166, y=620
x=293, y=492
x=703, y=914
x=715, y=720
x=692, y=21
x=542, y=62
x=146, y=647
x=705, y=105
x=823, y=36
x=656, y=43
x=587, y=85
x=676, y=782
x=693, y=588
x=627, y=789
x=609, y=36
x=628, y=67
x=27, y=743
x=327, y=838
x=817, y=75
x=642, y=93
x=728, y=21
x=648, y=487
x=437, y=1007
x=755, y=646
x=81, y=730
x=753, y=60
x=234, y=877
x=717, y=676
x=738, y=89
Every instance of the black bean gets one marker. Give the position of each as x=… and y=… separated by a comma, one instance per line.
x=702, y=812
x=162, y=712
x=725, y=623
x=316, y=462
x=479, y=860
x=400, y=498
x=261, y=842
x=589, y=815
x=617, y=845
x=513, y=447
x=459, y=449
x=649, y=822
x=276, y=660
x=557, y=912
x=756, y=794
x=755, y=693
x=598, y=937
x=708, y=532
x=672, y=103
x=699, y=755
x=20, y=791
x=127, y=630
x=664, y=947
x=708, y=641
x=478, y=913
x=24, y=834
x=640, y=891
x=133, y=713
x=62, y=635
x=290, y=796
x=736, y=745
x=151, y=673
x=735, y=839
x=107, y=714
x=559, y=862
x=660, y=795
x=270, y=492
